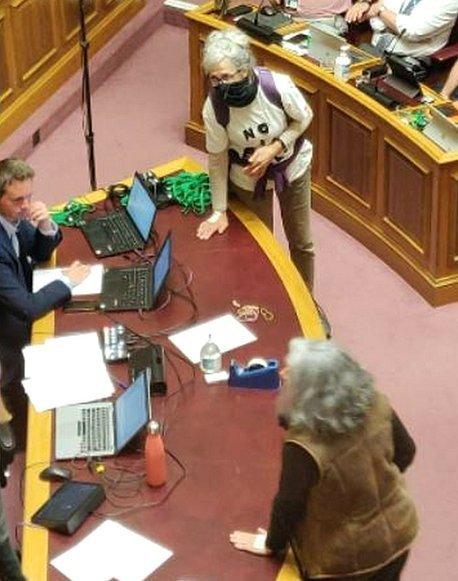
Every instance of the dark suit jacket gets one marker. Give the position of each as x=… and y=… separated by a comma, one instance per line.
x=19, y=306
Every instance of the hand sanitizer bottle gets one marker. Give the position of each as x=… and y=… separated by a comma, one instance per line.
x=342, y=63
x=210, y=357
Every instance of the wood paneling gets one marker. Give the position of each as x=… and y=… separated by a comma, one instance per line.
x=34, y=36
x=377, y=178
x=71, y=18
x=4, y=77
x=408, y=201
x=39, y=48
x=351, y=167
x=453, y=247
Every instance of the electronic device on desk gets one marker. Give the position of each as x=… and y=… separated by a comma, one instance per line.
x=370, y=87
x=152, y=358
x=69, y=506
x=402, y=84
x=137, y=287
x=448, y=110
x=239, y=10
x=102, y=428
x=114, y=344
x=442, y=131
x=124, y=230
x=297, y=42
x=261, y=23
x=257, y=374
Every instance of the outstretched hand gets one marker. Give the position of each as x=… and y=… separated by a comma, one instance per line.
x=209, y=227
x=251, y=542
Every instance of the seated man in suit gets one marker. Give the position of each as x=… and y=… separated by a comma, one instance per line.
x=27, y=235
x=415, y=28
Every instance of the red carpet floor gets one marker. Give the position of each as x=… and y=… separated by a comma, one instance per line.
x=411, y=348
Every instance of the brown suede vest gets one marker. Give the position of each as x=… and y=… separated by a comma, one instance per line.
x=359, y=515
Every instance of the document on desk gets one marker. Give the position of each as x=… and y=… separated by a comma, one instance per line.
x=226, y=331
x=66, y=370
x=92, y=285
x=112, y=551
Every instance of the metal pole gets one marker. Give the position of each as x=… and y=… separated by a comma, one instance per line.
x=86, y=97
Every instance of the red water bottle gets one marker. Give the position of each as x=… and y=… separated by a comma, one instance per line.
x=156, y=471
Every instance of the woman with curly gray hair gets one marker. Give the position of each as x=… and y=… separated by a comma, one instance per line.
x=342, y=503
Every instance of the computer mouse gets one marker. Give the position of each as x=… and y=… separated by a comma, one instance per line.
x=55, y=473
x=268, y=11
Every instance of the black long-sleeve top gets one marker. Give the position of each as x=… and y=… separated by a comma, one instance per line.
x=300, y=473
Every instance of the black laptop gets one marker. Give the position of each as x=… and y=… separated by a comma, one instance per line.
x=136, y=287
x=123, y=230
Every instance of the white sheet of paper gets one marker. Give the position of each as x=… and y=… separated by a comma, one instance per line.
x=66, y=370
x=112, y=551
x=216, y=377
x=92, y=285
x=226, y=331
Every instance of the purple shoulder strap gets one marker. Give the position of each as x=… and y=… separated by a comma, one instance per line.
x=267, y=83
x=268, y=86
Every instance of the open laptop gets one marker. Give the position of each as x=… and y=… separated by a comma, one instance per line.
x=102, y=428
x=123, y=230
x=442, y=131
x=136, y=287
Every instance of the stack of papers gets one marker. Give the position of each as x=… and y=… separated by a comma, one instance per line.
x=112, y=551
x=66, y=370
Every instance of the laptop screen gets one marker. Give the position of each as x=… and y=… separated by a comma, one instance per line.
x=161, y=266
x=131, y=411
x=141, y=208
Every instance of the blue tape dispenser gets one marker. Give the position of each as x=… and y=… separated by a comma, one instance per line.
x=257, y=374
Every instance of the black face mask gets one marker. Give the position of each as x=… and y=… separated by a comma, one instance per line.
x=240, y=93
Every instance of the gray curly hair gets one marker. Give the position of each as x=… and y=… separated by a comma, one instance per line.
x=330, y=392
x=229, y=44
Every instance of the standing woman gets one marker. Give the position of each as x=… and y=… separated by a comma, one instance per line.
x=342, y=503
x=255, y=122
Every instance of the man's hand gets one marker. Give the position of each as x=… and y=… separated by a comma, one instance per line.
x=210, y=226
x=77, y=272
x=250, y=542
x=39, y=215
x=261, y=158
x=358, y=12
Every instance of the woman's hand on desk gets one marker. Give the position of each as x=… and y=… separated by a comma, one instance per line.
x=217, y=222
x=357, y=12
x=250, y=542
x=77, y=272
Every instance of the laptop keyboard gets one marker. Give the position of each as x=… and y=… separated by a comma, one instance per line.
x=95, y=426
x=135, y=291
x=120, y=231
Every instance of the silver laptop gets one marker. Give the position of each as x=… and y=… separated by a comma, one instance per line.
x=442, y=131
x=102, y=428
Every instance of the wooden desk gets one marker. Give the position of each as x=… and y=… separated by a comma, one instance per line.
x=380, y=180
x=228, y=439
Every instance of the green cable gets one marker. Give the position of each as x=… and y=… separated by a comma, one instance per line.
x=72, y=214
x=191, y=190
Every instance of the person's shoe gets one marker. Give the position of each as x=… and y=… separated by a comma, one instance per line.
x=7, y=439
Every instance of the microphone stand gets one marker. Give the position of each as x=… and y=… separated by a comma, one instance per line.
x=86, y=97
